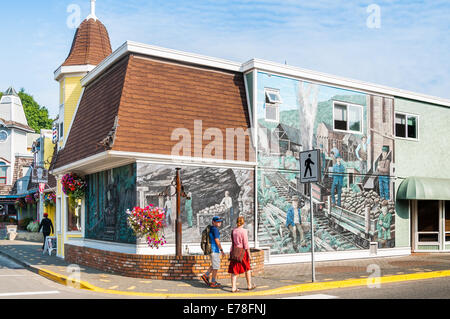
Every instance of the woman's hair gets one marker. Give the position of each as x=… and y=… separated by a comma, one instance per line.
x=240, y=221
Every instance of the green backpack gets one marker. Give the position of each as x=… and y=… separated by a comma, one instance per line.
x=205, y=244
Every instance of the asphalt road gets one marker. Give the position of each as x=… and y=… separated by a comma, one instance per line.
x=16, y=282
x=421, y=289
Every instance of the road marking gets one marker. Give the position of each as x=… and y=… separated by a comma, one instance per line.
x=113, y=287
x=316, y=296
x=131, y=288
x=12, y=275
x=29, y=293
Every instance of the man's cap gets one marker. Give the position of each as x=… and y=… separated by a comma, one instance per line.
x=385, y=148
x=45, y=215
x=295, y=198
x=338, y=156
x=217, y=219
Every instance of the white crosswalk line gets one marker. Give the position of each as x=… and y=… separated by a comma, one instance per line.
x=29, y=293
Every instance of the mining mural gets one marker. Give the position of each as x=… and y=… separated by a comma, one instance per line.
x=109, y=194
x=353, y=202
x=224, y=192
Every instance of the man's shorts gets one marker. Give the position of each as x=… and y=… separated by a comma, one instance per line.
x=215, y=261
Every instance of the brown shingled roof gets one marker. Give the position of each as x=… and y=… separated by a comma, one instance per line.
x=90, y=45
x=152, y=98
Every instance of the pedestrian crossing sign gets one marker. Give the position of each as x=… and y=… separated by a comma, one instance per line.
x=310, y=166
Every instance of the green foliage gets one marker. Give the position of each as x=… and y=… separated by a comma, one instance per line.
x=33, y=226
x=37, y=116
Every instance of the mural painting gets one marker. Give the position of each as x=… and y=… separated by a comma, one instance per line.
x=353, y=202
x=223, y=192
x=109, y=195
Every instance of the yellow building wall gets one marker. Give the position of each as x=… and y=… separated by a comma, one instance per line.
x=70, y=93
x=51, y=211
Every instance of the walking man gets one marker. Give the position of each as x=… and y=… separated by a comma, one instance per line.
x=46, y=225
x=216, y=253
x=308, y=164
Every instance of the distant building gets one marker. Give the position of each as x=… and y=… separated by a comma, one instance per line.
x=16, y=158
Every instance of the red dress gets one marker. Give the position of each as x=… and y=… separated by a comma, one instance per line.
x=237, y=268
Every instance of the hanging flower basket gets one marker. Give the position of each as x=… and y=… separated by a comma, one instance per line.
x=20, y=202
x=74, y=187
x=36, y=197
x=49, y=199
x=29, y=199
x=149, y=223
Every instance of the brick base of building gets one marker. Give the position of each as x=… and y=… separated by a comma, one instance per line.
x=157, y=267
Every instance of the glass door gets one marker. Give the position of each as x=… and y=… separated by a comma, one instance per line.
x=428, y=225
x=447, y=224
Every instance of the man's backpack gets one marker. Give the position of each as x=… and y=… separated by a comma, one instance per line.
x=206, y=242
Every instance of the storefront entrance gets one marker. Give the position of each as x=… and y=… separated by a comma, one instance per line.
x=430, y=225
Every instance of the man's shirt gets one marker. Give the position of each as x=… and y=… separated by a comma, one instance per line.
x=213, y=234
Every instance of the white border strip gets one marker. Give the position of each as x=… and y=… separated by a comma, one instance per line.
x=331, y=80
x=341, y=255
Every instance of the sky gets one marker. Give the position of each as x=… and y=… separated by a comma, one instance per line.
x=403, y=44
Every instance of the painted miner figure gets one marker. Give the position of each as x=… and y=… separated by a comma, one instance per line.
x=383, y=172
x=384, y=224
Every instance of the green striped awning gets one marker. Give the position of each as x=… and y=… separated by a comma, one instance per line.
x=424, y=188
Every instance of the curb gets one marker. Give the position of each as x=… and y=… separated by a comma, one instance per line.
x=292, y=289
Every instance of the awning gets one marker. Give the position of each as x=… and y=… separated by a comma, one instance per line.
x=424, y=188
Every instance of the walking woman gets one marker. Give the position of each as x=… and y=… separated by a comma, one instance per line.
x=239, y=237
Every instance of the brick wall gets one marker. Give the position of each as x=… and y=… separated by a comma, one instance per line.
x=153, y=266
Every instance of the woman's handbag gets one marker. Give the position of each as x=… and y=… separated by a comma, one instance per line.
x=237, y=253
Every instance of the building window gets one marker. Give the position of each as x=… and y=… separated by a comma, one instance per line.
x=406, y=126
x=61, y=129
x=273, y=99
x=347, y=117
x=273, y=96
x=3, y=173
x=73, y=216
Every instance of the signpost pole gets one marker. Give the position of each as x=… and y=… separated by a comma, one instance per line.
x=311, y=208
x=310, y=163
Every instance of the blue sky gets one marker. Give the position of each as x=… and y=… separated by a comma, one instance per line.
x=410, y=50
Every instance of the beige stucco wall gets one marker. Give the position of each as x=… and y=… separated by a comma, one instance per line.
x=429, y=156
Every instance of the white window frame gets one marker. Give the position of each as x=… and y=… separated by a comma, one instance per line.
x=406, y=128
x=58, y=214
x=267, y=92
x=439, y=243
x=272, y=103
x=66, y=217
x=348, y=130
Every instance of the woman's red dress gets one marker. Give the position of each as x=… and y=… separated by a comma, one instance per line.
x=237, y=268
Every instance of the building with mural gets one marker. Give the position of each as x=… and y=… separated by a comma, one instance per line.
x=130, y=117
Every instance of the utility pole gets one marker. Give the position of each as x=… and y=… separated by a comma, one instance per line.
x=178, y=229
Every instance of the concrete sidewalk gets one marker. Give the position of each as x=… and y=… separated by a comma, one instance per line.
x=278, y=280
